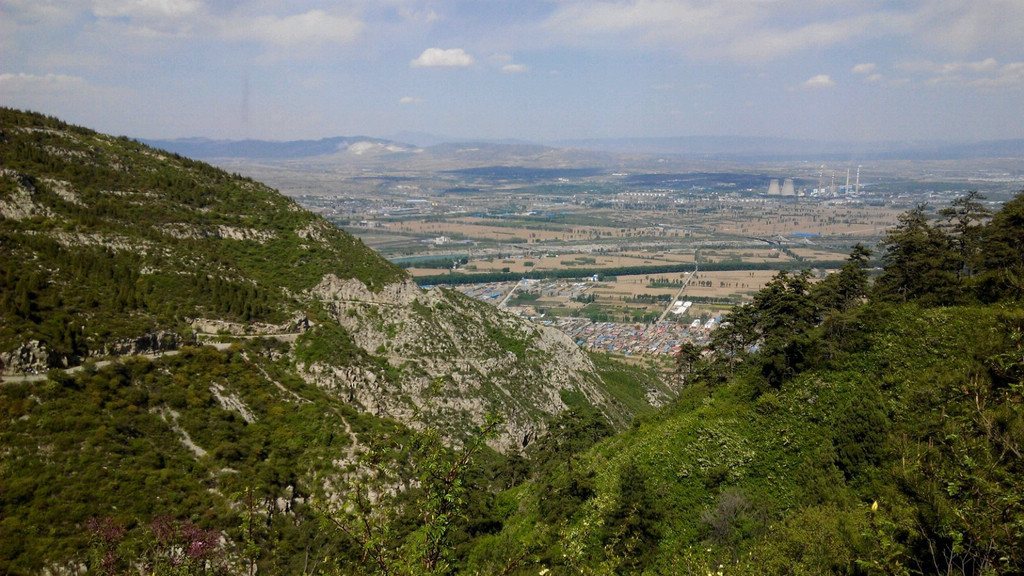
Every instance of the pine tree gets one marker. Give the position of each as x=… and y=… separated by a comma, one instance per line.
x=1001, y=258
x=919, y=262
x=963, y=218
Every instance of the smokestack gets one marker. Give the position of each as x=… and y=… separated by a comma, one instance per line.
x=773, y=187
x=787, y=188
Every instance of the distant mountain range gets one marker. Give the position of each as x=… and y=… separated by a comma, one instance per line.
x=726, y=148
x=767, y=149
x=203, y=148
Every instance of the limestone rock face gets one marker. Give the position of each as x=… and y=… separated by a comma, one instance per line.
x=32, y=356
x=209, y=327
x=145, y=344
x=35, y=356
x=452, y=360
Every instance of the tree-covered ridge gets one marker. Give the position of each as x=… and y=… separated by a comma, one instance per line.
x=836, y=427
x=202, y=460
x=831, y=427
x=961, y=258
x=105, y=238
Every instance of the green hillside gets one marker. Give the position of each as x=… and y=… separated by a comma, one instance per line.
x=199, y=376
x=105, y=238
x=347, y=422
x=920, y=411
x=833, y=428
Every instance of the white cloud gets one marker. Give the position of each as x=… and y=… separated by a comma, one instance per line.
x=774, y=40
x=312, y=28
x=874, y=78
x=866, y=68
x=957, y=27
x=425, y=15
x=515, y=68
x=149, y=19
x=145, y=9
x=28, y=84
x=410, y=100
x=764, y=30
x=31, y=12
x=439, y=57
x=604, y=17
x=745, y=30
x=986, y=65
x=819, y=81
x=987, y=73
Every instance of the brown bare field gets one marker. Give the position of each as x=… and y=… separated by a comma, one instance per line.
x=737, y=286
x=753, y=219
x=722, y=284
x=485, y=229
x=726, y=283
x=467, y=228
x=765, y=218
x=633, y=295
x=743, y=255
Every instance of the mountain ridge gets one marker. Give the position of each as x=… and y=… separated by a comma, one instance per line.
x=123, y=262
x=166, y=245
x=724, y=148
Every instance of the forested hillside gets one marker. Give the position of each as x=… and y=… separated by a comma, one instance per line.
x=105, y=238
x=349, y=423
x=198, y=374
x=839, y=427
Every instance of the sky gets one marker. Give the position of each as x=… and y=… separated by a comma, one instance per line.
x=534, y=70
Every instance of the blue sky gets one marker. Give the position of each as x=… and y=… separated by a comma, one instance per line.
x=538, y=70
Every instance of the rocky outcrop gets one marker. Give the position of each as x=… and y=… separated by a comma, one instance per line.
x=20, y=205
x=334, y=289
x=35, y=357
x=29, y=358
x=194, y=232
x=206, y=326
x=146, y=344
x=450, y=361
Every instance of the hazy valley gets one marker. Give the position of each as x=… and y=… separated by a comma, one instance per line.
x=204, y=375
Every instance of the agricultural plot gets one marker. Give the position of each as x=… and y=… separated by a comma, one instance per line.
x=601, y=248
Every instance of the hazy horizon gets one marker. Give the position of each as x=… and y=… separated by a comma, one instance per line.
x=535, y=71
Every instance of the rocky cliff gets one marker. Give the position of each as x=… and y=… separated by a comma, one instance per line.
x=453, y=360
x=115, y=249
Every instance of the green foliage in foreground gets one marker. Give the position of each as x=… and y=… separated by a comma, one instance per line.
x=822, y=432
x=917, y=413
x=114, y=444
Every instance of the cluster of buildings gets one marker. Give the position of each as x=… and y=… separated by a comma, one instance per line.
x=662, y=338
x=679, y=307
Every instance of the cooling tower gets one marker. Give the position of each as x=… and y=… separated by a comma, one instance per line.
x=787, y=188
x=773, y=188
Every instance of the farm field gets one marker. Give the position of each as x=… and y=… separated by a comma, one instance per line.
x=606, y=246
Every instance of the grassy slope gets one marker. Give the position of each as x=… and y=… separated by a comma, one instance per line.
x=784, y=482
